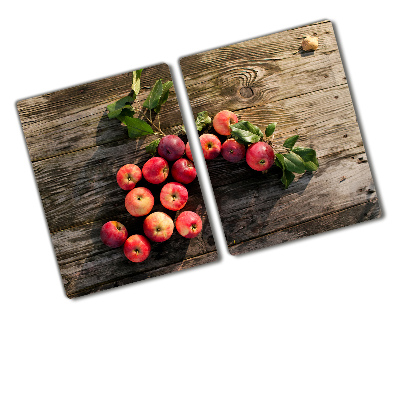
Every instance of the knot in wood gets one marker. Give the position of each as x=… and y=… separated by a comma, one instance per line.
x=246, y=92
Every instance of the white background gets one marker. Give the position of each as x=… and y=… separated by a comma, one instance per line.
x=313, y=319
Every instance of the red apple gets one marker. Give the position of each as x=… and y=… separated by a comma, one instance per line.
x=188, y=152
x=222, y=121
x=233, y=151
x=158, y=226
x=188, y=224
x=183, y=171
x=211, y=146
x=128, y=176
x=155, y=170
x=139, y=201
x=174, y=196
x=137, y=248
x=171, y=147
x=113, y=234
x=260, y=156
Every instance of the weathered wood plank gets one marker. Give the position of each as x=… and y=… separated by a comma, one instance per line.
x=349, y=216
x=85, y=262
x=255, y=207
x=81, y=187
x=73, y=284
x=275, y=46
x=82, y=242
x=324, y=120
x=83, y=135
x=59, y=123
x=268, y=80
x=242, y=84
x=52, y=107
x=76, y=152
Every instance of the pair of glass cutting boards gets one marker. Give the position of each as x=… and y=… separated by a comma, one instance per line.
x=76, y=151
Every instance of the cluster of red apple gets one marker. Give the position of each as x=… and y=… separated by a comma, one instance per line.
x=259, y=156
x=157, y=226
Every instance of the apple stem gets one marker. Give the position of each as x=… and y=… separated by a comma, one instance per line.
x=160, y=132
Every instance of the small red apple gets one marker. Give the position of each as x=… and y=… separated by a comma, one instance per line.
x=233, y=151
x=128, y=176
x=211, y=145
x=260, y=156
x=222, y=121
x=137, y=248
x=113, y=234
x=171, y=147
x=188, y=152
x=174, y=196
x=188, y=224
x=158, y=226
x=139, y=201
x=155, y=170
x=183, y=171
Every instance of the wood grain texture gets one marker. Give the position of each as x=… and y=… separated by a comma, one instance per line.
x=74, y=119
x=269, y=79
x=76, y=151
x=353, y=215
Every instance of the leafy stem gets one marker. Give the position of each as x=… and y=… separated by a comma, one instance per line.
x=158, y=128
x=288, y=158
x=295, y=160
x=144, y=124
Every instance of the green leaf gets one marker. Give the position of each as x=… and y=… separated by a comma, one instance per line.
x=154, y=96
x=202, y=120
x=279, y=161
x=137, y=127
x=116, y=108
x=269, y=130
x=152, y=147
x=294, y=163
x=309, y=157
x=305, y=153
x=127, y=111
x=136, y=80
x=311, y=166
x=287, y=178
x=289, y=143
x=164, y=95
x=246, y=133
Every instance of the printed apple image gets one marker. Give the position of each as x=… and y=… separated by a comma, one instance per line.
x=174, y=196
x=183, y=171
x=113, y=234
x=188, y=224
x=158, y=227
x=222, y=121
x=155, y=170
x=137, y=248
x=188, y=152
x=171, y=147
x=233, y=151
x=128, y=176
x=260, y=156
x=211, y=145
x=139, y=201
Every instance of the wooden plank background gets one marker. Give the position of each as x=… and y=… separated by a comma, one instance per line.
x=270, y=79
x=76, y=152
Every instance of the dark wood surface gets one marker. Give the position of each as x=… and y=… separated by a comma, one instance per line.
x=76, y=152
x=270, y=79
